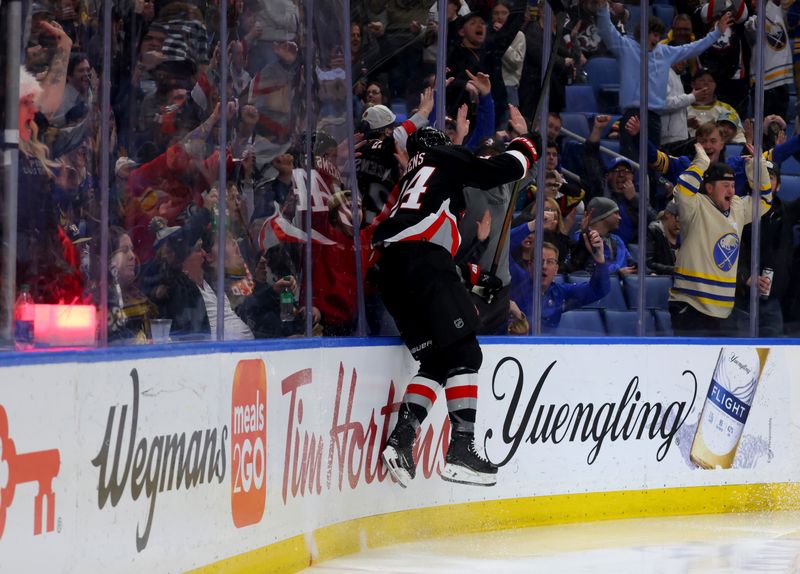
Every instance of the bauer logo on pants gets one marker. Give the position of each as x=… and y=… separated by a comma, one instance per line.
x=248, y=442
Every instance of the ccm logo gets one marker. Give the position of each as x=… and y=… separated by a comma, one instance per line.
x=248, y=442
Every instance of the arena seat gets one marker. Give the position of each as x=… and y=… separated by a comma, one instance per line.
x=633, y=20
x=656, y=291
x=663, y=323
x=790, y=167
x=623, y=323
x=733, y=150
x=576, y=123
x=603, y=74
x=581, y=322
x=400, y=110
x=571, y=156
x=790, y=188
x=580, y=98
x=614, y=300
x=665, y=13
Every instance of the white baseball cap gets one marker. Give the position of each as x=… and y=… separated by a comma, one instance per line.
x=378, y=117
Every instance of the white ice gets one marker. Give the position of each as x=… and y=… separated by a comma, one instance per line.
x=743, y=543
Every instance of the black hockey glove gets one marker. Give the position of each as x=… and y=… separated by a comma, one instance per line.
x=483, y=284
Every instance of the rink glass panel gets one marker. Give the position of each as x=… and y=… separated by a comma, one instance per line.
x=125, y=244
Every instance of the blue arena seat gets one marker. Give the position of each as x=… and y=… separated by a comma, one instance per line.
x=580, y=98
x=733, y=150
x=603, y=74
x=790, y=188
x=582, y=322
x=614, y=300
x=571, y=156
x=578, y=277
x=633, y=20
x=665, y=13
x=623, y=323
x=613, y=145
x=576, y=123
x=663, y=323
x=400, y=110
x=790, y=167
x=656, y=291
x=602, y=71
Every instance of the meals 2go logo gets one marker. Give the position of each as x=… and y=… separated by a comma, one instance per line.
x=248, y=442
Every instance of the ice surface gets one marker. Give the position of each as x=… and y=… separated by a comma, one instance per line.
x=709, y=544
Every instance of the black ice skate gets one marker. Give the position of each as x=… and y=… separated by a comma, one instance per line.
x=397, y=456
x=464, y=465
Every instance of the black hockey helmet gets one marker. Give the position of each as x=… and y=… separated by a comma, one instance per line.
x=426, y=138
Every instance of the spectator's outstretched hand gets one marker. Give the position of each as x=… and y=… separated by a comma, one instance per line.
x=701, y=159
x=594, y=244
x=586, y=221
x=462, y=124
x=748, y=127
x=725, y=22
x=426, y=102
x=480, y=81
x=518, y=122
x=601, y=121
x=633, y=126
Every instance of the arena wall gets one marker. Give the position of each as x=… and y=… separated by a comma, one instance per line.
x=265, y=458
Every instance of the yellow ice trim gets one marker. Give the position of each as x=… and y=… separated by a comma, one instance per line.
x=353, y=536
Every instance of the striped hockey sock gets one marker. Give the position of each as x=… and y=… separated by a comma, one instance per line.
x=461, y=391
x=418, y=399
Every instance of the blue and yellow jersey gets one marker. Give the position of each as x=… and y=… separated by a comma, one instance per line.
x=705, y=271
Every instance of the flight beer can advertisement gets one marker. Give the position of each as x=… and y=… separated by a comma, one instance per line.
x=727, y=406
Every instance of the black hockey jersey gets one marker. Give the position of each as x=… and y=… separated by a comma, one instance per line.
x=377, y=173
x=431, y=194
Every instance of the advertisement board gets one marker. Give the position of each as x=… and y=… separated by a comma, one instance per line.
x=171, y=463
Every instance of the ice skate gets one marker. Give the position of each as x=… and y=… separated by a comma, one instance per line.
x=397, y=455
x=464, y=465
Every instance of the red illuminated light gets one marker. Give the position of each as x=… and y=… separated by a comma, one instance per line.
x=65, y=325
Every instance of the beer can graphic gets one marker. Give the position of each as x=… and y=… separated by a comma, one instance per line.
x=727, y=406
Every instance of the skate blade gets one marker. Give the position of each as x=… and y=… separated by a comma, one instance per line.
x=398, y=473
x=463, y=475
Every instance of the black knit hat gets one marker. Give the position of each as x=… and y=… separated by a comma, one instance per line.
x=718, y=171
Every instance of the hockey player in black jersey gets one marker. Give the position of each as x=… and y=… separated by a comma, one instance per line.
x=376, y=165
x=423, y=291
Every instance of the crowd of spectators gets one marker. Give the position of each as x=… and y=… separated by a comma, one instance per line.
x=166, y=151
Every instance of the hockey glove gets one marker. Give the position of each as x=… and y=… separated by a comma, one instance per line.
x=483, y=284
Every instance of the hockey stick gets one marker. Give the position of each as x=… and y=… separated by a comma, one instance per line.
x=561, y=17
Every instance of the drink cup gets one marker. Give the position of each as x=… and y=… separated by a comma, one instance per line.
x=159, y=330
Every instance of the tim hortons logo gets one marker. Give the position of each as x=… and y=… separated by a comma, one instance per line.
x=16, y=468
x=154, y=464
x=352, y=446
x=248, y=442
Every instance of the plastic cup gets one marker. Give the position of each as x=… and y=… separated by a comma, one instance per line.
x=159, y=330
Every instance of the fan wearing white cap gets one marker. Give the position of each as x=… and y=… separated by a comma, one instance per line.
x=377, y=168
